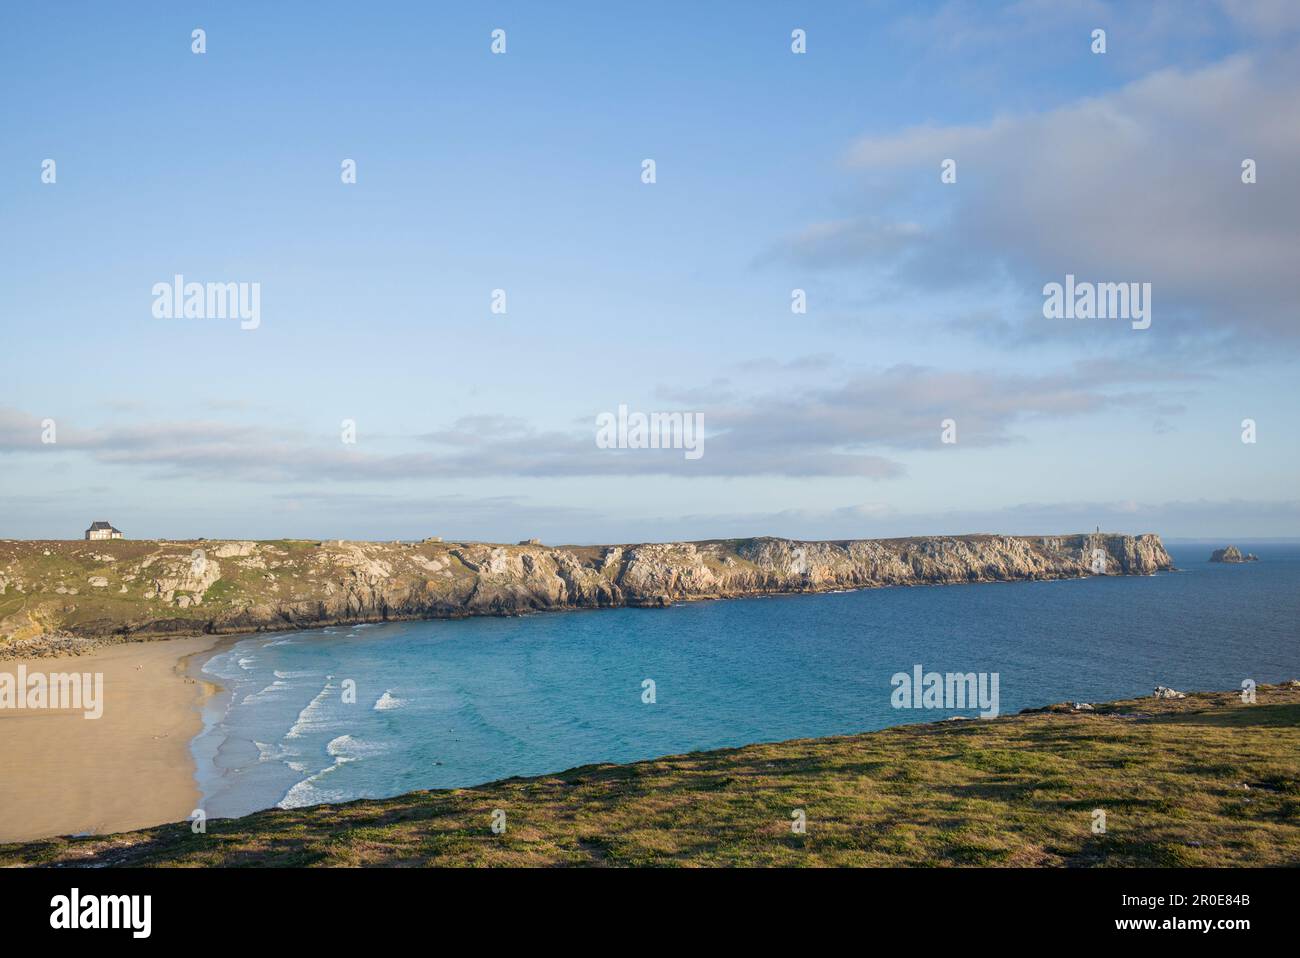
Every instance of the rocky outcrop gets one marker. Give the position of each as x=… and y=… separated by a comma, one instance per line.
x=145, y=589
x=1232, y=554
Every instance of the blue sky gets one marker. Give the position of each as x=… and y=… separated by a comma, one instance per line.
x=775, y=171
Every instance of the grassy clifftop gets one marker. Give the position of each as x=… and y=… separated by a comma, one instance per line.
x=1201, y=781
x=60, y=596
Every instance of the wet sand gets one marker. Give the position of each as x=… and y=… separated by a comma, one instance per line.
x=63, y=774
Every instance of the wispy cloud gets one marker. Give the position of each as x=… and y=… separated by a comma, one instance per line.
x=846, y=242
x=1228, y=519
x=846, y=428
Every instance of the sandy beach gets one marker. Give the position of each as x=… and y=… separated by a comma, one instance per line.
x=61, y=773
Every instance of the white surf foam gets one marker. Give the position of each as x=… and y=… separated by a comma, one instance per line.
x=310, y=791
x=387, y=702
x=310, y=717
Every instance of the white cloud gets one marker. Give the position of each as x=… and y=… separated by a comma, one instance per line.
x=1142, y=184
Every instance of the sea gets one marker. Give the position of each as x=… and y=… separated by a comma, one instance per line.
x=370, y=711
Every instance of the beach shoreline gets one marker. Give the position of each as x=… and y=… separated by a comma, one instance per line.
x=132, y=767
x=1025, y=783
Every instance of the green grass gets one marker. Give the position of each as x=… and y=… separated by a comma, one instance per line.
x=1015, y=791
x=222, y=590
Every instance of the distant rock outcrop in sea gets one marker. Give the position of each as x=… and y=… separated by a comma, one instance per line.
x=1232, y=554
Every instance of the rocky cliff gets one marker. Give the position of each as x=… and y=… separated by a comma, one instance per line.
x=60, y=596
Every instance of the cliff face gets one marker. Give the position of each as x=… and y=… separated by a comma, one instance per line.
x=56, y=595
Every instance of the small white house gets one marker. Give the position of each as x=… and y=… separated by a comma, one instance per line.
x=102, y=530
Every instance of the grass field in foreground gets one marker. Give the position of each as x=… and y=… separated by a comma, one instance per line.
x=1202, y=781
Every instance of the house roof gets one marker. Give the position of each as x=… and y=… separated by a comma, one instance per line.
x=101, y=525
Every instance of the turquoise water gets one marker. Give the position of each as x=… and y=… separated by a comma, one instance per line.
x=451, y=703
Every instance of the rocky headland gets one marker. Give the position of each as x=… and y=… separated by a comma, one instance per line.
x=60, y=596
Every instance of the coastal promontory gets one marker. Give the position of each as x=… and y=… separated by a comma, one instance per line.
x=64, y=596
